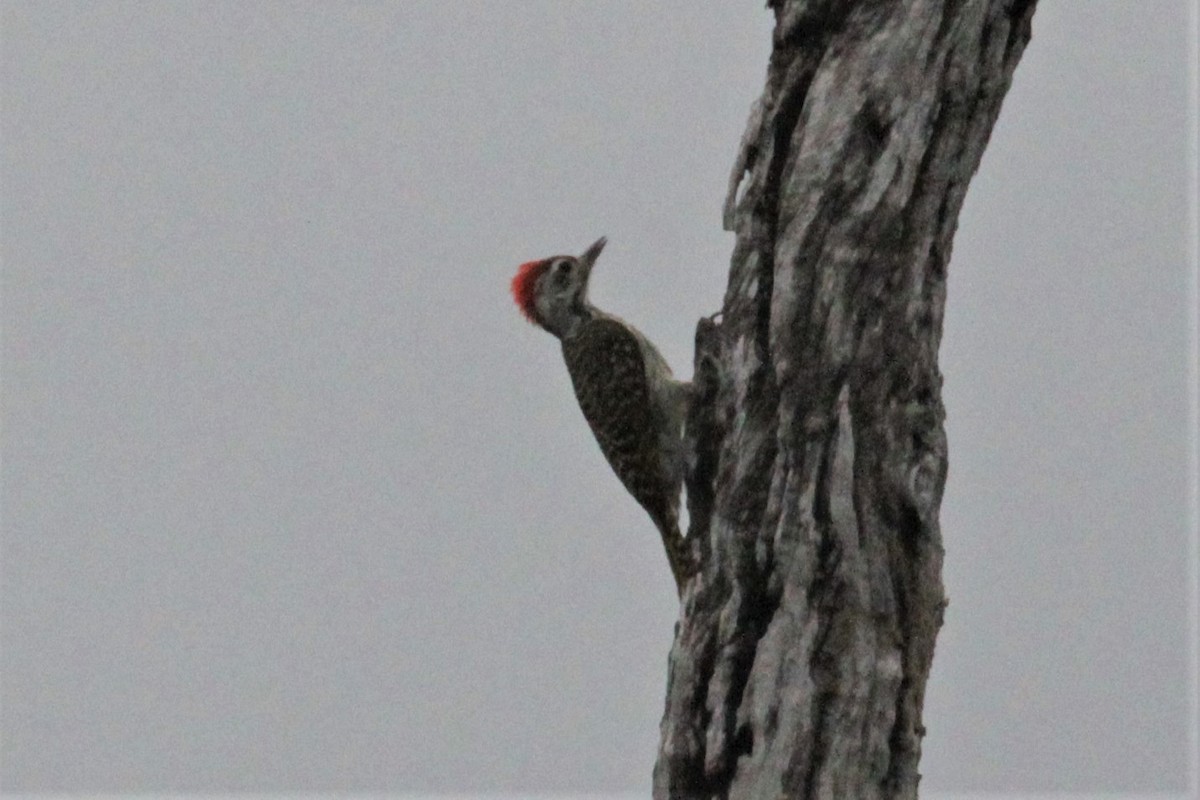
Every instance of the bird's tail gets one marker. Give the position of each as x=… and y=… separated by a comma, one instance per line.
x=679, y=552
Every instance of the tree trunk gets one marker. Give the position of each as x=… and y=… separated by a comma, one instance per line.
x=819, y=454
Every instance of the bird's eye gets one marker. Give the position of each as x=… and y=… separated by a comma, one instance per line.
x=562, y=272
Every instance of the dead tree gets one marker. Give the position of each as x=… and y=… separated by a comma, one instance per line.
x=818, y=453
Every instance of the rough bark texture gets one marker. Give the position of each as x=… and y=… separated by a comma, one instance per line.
x=819, y=453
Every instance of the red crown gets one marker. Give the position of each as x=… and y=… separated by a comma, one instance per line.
x=524, y=284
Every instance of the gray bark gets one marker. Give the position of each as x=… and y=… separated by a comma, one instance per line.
x=818, y=448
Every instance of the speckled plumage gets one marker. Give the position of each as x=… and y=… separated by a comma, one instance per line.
x=608, y=368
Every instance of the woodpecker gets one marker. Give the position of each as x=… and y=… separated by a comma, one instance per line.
x=634, y=406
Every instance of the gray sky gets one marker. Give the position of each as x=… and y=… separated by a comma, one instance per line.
x=293, y=499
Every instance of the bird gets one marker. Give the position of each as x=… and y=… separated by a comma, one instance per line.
x=633, y=404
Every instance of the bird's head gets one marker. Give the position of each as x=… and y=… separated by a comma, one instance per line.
x=552, y=292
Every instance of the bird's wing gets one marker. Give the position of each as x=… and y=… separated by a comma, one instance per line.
x=607, y=368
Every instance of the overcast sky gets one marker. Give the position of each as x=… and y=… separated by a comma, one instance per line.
x=293, y=499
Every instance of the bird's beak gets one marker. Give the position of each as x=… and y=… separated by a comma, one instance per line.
x=588, y=259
